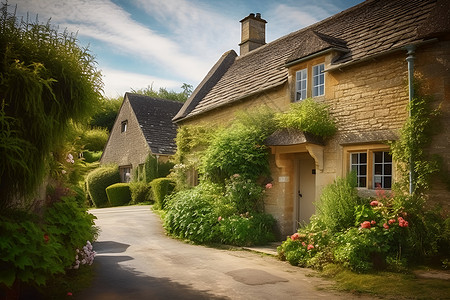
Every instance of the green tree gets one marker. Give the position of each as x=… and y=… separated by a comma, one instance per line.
x=106, y=113
x=165, y=94
x=47, y=81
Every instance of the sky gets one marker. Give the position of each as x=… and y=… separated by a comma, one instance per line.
x=166, y=43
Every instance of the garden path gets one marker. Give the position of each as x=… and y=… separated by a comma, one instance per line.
x=136, y=260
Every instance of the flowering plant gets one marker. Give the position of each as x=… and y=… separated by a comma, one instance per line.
x=85, y=256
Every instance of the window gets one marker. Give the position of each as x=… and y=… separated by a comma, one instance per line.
x=358, y=164
x=318, y=80
x=373, y=168
x=123, y=126
x=382, y=170
x=300, y=83
x=125, y=173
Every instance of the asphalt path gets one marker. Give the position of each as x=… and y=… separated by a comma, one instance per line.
x=136, y=260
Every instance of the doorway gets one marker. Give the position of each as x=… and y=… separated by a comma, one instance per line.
x=305, y=189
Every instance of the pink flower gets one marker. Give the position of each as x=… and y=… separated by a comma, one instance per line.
x=374, y=203
x=391, y=221
x=219, y=219
x=365, y=224
x=303, y=244
x=69, y=294
x=295, y=236
x=236, y=175
x=402, y=222
x=310, y=247
x=269, y=186
x=386, y=226
x=373, y=222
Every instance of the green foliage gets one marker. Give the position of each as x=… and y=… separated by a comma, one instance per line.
x=236, y=150
x=308, y=116
x=247, y=229
x=140, y=192
x=153, y=168
x=161, y=188
x=193, y=214
x=336, y=207
x=94, y=139
x=106, y=113
x=98, y=180
x=409, y=151
x=46, y=81
x=91, y=156
x=244, y=194
x=118, y=194
x=33, y=250
x=165, y=94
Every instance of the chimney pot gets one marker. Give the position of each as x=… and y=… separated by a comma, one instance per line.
x=258, y=15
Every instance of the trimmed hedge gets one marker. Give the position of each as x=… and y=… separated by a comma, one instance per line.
x=98, y=180
x=161, y=187
x=140, y=192
x=92, y=156
x=119, y=194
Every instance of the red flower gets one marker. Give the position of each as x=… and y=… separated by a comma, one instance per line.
x=303, y=244
x=295, y=236
x=391, y=221
x=365, y=224
x=374, y=203
x=46, y=238
x=69, y=294
x=402, y=222
x=373, y=222
x=310, y=247
x=269, y=186
x=386, y=226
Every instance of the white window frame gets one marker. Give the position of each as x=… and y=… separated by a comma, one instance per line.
x=124, y=126
x=318, y=84
x=301, y=84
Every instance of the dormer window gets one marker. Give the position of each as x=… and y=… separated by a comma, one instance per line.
x=304, y=89
x=124, y=126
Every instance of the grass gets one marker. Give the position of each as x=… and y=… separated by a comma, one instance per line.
x=387, y=285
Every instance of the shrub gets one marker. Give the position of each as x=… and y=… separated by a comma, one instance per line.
x=247, y=229
x=161, y=187
x=193, y=214
x=94, y=139
x=140, y=192
x=308, y=116
x=91, y=156
x=337, y=204
x=118, y=194
x=244, y=194
x=98, y=180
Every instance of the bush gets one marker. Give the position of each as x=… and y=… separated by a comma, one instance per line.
x=161, y=187
x=337, y=204
x=247, y=229
x=193, y=214
x=118, y=194
x=91, y=156
x=98, y=180
x=95, y=139
x=308, y=116
x=244, y=194
x=140, y=192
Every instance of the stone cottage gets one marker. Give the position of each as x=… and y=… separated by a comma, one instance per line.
x=360, y=62
x=143, y=126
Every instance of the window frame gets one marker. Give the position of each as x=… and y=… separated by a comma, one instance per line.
x=124, y=126
x=304, y=78
x=370, y=169
x=320, y=86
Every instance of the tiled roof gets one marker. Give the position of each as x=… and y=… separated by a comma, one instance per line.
x=370, y=28
x=155, y=119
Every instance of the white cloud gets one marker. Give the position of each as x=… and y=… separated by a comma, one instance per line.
x=117, y=82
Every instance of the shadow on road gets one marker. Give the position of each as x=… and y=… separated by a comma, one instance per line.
x=114, y=281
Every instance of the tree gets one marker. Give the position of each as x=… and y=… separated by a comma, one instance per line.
x=47, y=82
x=107, y=113
x=165, y=94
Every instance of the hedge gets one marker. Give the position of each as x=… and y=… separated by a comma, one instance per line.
x=118, y=194
x=140, y=192
x=98, y=180
x=161, y=187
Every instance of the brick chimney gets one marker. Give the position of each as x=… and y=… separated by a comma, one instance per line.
x=253, y=33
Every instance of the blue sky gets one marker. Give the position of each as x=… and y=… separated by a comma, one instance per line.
x=166, y=43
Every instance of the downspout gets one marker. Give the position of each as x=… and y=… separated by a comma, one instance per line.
x=410, y=59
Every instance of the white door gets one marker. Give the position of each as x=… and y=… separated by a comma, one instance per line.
x=306, y=189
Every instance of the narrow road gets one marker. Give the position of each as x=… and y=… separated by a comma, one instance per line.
x=136, y=260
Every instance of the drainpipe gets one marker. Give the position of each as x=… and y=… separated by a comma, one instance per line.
x=410, y=59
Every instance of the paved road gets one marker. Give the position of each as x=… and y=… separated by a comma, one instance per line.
x=136, y=260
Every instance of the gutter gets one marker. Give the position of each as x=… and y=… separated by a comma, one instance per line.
x=410, y=59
